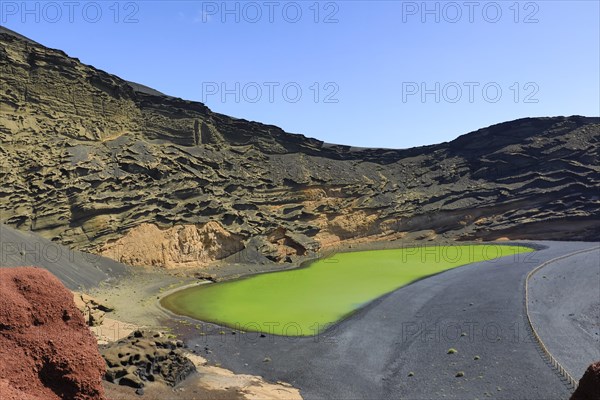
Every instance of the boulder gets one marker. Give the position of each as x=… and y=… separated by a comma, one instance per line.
x=46, y=349
x=589, y=384
x=146, y=356
x=93, y=309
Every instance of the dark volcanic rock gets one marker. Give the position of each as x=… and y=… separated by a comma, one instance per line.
x=104, y=165
x=589, y=384
x=46, y=350
x=146, y=356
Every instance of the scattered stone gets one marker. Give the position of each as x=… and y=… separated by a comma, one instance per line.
x=131, y=380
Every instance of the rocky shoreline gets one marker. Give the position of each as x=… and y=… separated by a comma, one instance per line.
x=138, y=318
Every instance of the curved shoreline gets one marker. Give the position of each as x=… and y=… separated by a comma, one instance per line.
x=162, y=295
x=305, y=264
x=369, y=355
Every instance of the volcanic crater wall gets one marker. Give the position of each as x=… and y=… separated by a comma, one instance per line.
x=88, y=161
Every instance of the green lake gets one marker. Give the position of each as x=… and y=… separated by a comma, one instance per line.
x=304, y=301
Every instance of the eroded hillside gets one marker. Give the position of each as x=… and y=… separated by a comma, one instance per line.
x=149, y=179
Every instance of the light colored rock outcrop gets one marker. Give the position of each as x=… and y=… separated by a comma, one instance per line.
x=93, y=310
x=180, y=246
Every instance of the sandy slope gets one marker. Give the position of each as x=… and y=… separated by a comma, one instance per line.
x=75, y=269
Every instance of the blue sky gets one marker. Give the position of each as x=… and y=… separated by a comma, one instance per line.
x=366, y=73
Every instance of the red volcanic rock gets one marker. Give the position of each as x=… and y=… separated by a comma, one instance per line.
x=589, y=385
x=46, y=350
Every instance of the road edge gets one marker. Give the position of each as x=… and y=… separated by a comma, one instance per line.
x=553, y=361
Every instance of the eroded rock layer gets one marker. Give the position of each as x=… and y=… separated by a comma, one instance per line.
x=87, y=160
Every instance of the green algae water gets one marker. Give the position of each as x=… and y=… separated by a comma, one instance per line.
x=305, y=301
